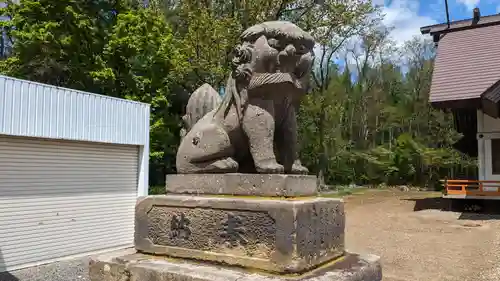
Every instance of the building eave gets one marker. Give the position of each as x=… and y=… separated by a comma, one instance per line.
x=460, y=25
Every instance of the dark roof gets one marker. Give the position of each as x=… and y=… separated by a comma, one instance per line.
x=467, y=64
x=493, y=93
x=461, y=25
x=490, y=101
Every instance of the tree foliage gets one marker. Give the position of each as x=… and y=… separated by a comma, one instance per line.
x=105, y=47
x=366, y=120
x=385, y=130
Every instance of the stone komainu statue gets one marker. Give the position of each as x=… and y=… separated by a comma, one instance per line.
x=254, y=127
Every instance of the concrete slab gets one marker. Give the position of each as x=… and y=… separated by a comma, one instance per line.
x=243, y=184
x=267, y=234
x=131, y=266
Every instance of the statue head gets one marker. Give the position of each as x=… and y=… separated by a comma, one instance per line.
x=280, y=47
x=275, y=53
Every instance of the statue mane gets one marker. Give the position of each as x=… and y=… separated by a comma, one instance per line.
x=238, y=83
x=278, y=29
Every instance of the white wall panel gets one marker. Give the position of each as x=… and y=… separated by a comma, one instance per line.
x=38, y=110
x=63, y=198
x=487, y=128
x=71, y=167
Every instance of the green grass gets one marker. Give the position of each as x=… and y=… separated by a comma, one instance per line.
x=157, y=190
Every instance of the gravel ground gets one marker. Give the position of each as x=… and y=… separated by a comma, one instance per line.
x=416, y=240
x=71, y=270
x=419, y=242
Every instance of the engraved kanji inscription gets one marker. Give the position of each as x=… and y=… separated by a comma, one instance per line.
x=233, y=231
x=212, y=230
x=179, y=227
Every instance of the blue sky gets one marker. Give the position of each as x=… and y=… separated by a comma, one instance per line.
x=407, y=16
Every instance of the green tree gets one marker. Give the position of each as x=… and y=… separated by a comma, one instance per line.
x=58, y=42
x=105, y=47
x=367, y=121
x=379, y=126
x=143, y=61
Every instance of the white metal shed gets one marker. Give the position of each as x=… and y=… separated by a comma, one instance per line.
x=71, y=167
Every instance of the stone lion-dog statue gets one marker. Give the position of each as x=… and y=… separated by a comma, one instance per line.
x=253, y=128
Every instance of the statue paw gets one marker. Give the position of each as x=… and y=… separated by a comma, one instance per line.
x=227, y=165
x=269, y=167
x=297, y=168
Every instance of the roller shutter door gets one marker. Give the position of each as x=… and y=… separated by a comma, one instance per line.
x=64, y=198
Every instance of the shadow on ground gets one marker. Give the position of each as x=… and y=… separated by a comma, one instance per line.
x=5, y=276
x=470, y=209
x=428, y=203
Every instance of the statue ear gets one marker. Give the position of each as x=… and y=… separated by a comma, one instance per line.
x=261, y=42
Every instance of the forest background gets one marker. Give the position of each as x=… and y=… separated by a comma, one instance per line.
x=366, y=120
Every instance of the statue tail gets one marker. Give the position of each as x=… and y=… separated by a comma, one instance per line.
x=201, y=102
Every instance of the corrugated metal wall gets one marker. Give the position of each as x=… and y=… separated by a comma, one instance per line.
x=64, y=198
x=37, y=110
x=71, y=167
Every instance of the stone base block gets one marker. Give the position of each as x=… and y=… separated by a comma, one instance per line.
x=278, y=185
x=266, y=234
x=130, y=266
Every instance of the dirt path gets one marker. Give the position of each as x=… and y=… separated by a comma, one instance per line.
x=423, y=245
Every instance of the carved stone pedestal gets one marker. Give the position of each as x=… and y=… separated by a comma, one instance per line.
x=128, y=265
x=267, y=234
x=224, y=226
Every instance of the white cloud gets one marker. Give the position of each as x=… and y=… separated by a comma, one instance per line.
x=471, y=4
x=400, y=15
x=403, y=16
